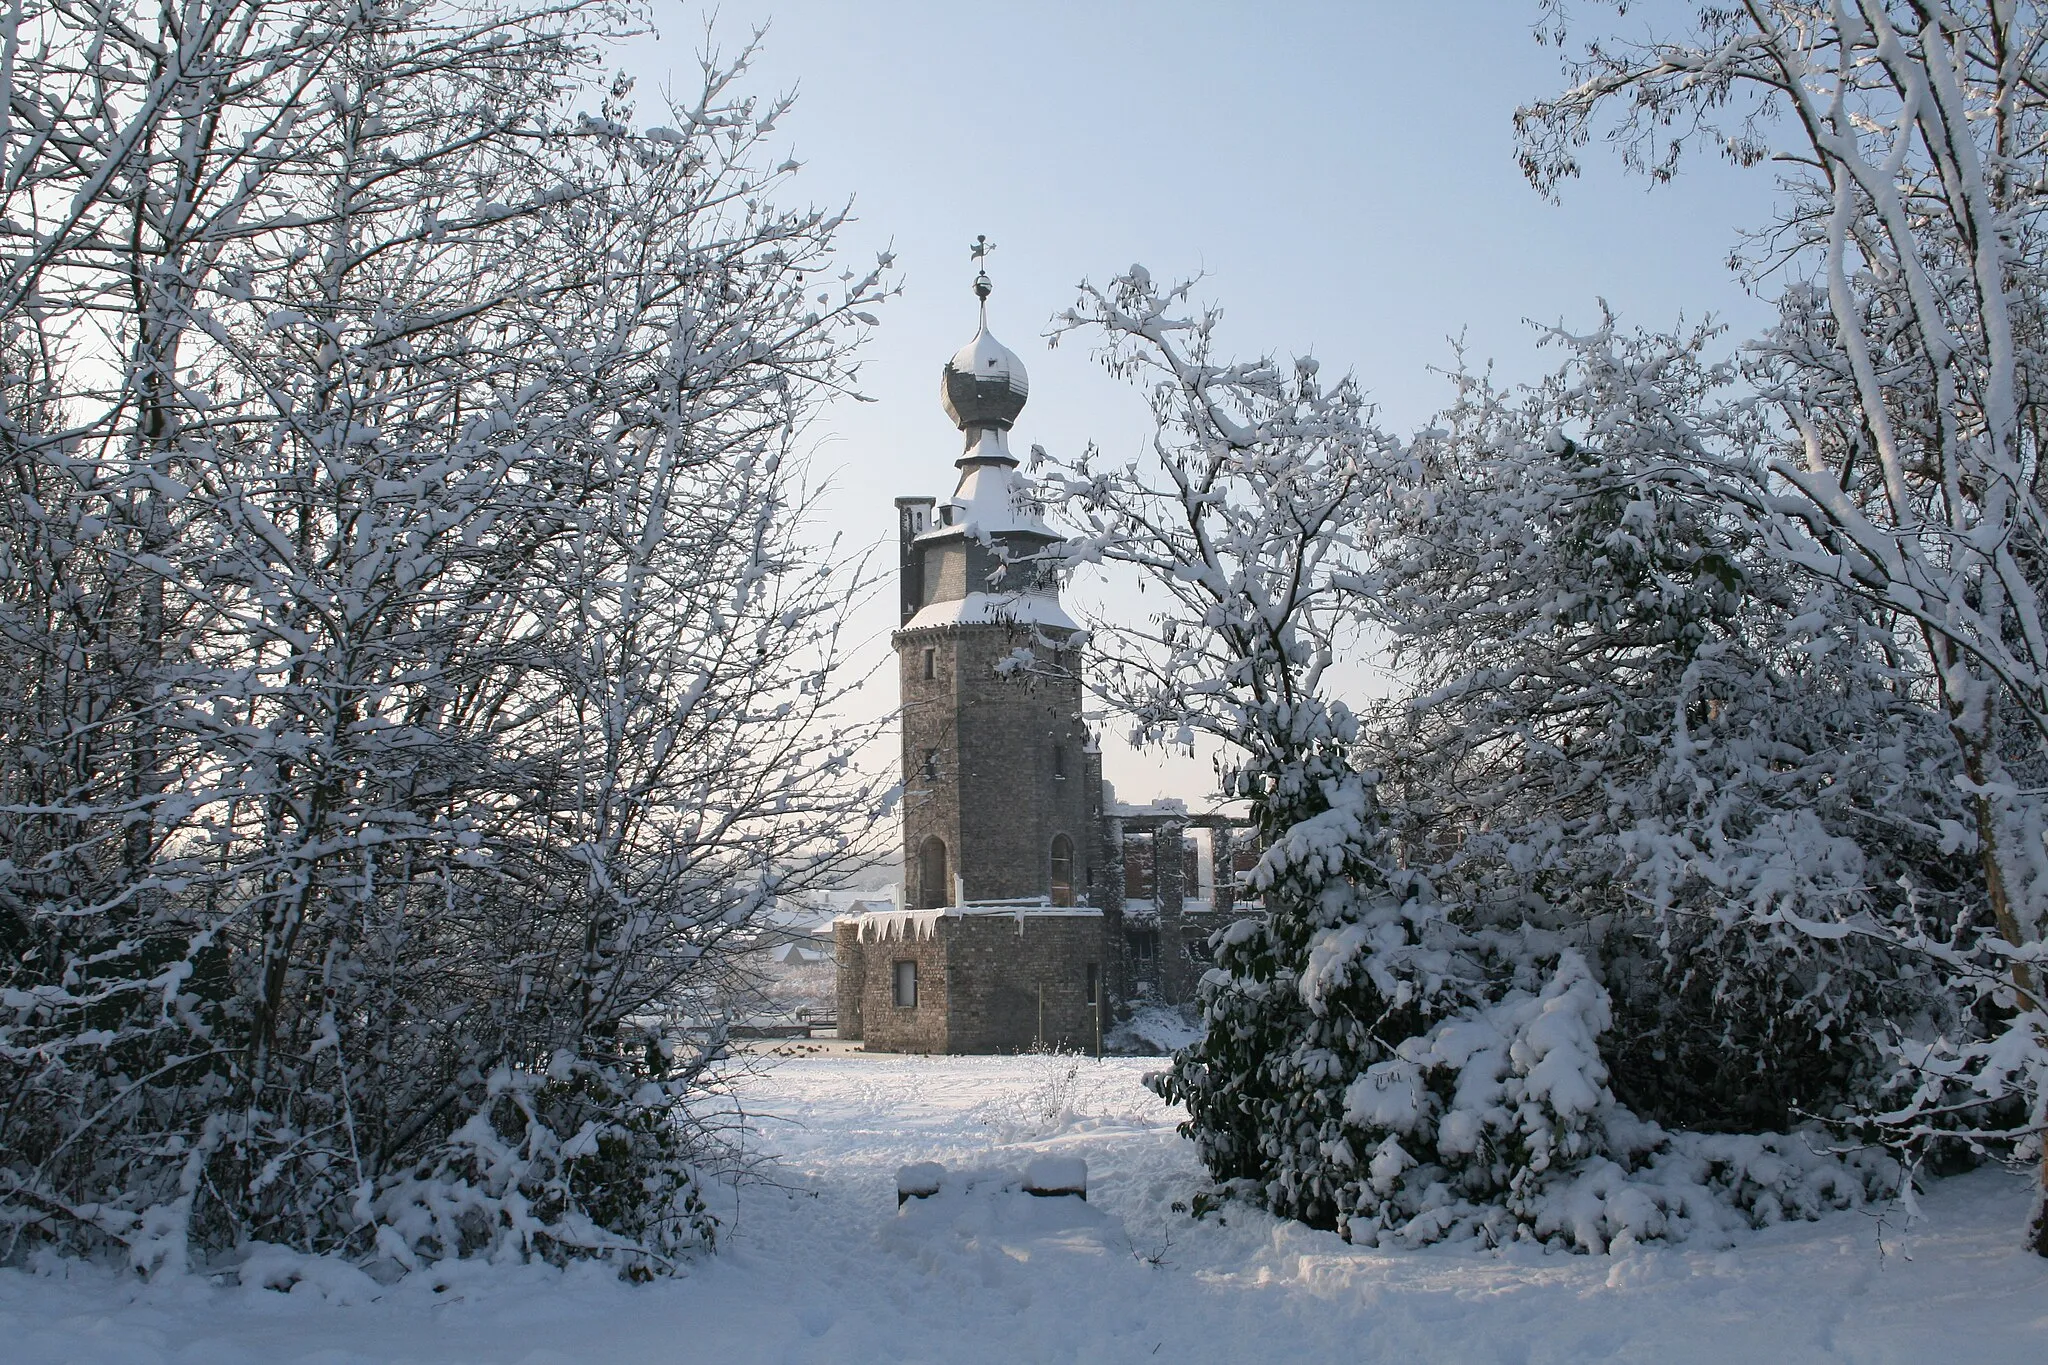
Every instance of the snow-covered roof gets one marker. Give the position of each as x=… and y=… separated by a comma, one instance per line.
x=992, y=498
x=903, y=925
x=813, y=913
x=1165, y=805
x=996, y=608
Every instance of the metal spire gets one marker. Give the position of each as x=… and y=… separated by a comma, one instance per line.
x=982, y=286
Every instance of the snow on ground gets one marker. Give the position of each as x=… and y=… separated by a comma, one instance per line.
x=1153, y=1030
x=823, y=1268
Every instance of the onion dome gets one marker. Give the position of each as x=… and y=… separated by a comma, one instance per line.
x=983, y=385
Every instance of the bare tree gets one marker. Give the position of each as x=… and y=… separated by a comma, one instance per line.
x=417, y=669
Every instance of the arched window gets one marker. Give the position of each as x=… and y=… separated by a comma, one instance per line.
x=932, y=888
x=1062, y=870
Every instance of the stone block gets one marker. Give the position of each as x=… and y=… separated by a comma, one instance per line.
x=919, y=1180
x=1056, y=1175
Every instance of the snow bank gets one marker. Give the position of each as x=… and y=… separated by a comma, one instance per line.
x=1152, y=1031
x=1046, y=1175
x=918, y=1180
x=327, y=1277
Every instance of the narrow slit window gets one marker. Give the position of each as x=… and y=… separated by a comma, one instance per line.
x=1094, y=984
x=1062, y=870
x=931, y=874
x=931, y=664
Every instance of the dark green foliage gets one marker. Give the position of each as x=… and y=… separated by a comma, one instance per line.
x=1264, y=1088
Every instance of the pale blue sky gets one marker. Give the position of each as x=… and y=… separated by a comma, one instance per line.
x=1343, y=175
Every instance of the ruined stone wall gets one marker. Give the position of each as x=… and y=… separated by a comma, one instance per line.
x=1169, y=894
x=988, y=982
x=1196, y=930
x=1016, y=982
x=852, y=977
x=1106, y=887
x=885, y=1025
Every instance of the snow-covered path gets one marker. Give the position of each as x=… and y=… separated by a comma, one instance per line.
x=824, y=1269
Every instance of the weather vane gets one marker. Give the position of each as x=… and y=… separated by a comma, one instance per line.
x=979, y=253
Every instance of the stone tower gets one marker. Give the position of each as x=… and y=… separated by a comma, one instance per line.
x=998, y=803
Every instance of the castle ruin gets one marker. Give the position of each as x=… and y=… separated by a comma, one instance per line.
x=1034, y=908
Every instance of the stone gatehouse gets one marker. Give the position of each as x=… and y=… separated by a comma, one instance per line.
x=1034, y=908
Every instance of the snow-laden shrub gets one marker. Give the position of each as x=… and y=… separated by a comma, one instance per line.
x=1347, y=1023
x=1412, y=1081
x=1631, y=724
x=1410, y=1041
x=1263, y=1085
x=1490, y=1099
x=1900, y=389
x=553, y=1166
x=1395, y=1062
x=1499, y=1123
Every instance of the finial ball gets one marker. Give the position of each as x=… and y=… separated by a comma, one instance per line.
x=979, y=252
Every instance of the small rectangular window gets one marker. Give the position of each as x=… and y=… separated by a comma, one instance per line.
x=906, y=985
x=1094, y=983
x=931, y=765
x=931, y=664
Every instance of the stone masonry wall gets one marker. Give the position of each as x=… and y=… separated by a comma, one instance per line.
x=931, y=729
x=851, y=977
x=1007, y=769
x=885, y=1025
x=989, y=982
x=1015, y=793
x=1021, y=981
x=945, y=572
